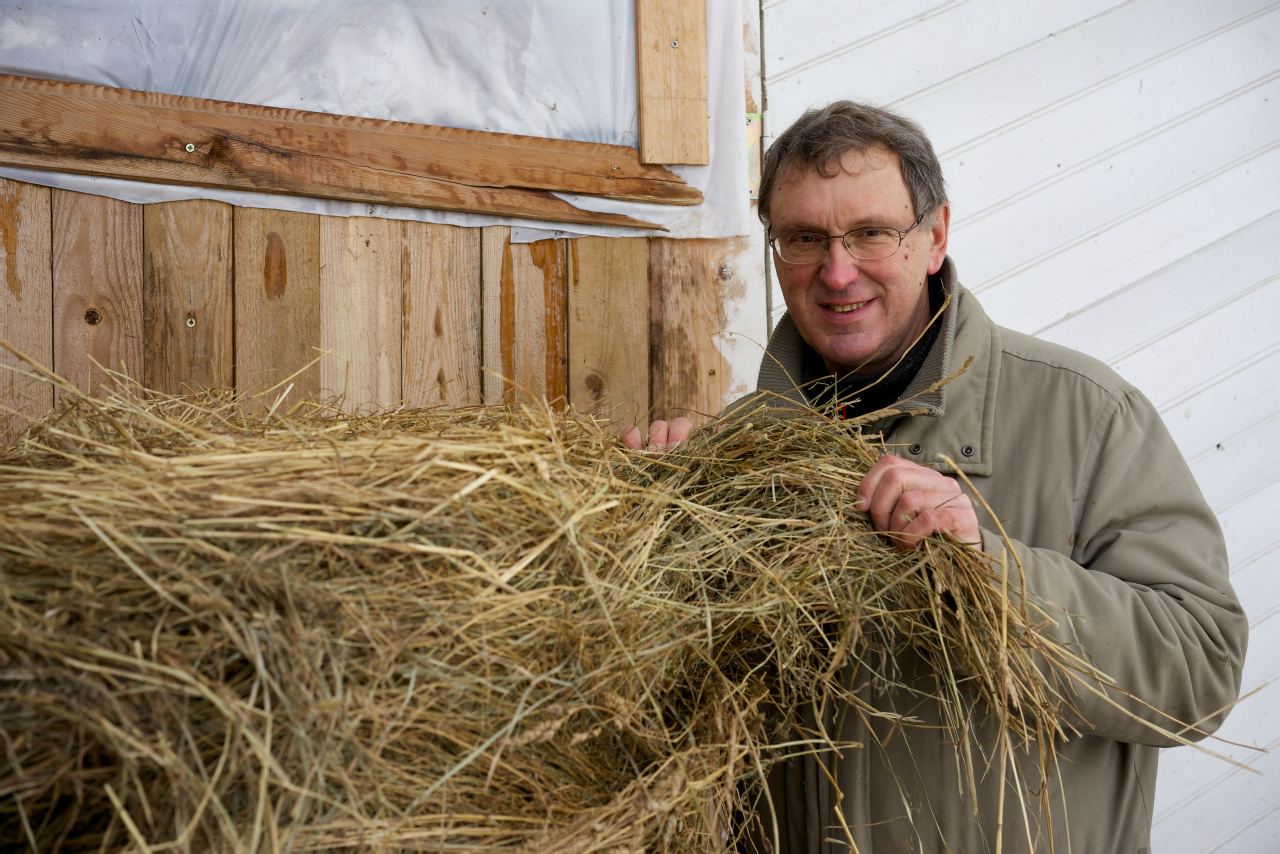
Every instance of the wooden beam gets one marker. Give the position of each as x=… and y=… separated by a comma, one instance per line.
x=671, y=61
x=608, y=327
x=440, y=268
x=186, y=296
x=277, y=289
x=26, y=304
x=99, y=130
x=97, y=287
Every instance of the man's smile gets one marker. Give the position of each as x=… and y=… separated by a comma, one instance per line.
x=847, y=307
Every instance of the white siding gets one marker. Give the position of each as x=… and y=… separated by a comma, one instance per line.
x=1114, y=170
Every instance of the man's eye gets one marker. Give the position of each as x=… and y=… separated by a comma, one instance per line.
x=872, y=233
x=805, y=239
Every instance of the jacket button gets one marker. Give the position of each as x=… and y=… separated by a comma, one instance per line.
x=967, y=450
x=915, y=449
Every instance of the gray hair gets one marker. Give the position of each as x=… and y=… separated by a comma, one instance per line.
x=820, y=138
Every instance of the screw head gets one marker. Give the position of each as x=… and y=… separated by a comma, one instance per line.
x=190, y=146
x=675, y=43
x=191, y=323
x=92, y=317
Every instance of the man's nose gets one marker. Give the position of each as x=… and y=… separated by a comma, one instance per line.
x=839, y=268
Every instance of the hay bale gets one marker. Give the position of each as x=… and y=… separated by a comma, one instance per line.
x=467, y=631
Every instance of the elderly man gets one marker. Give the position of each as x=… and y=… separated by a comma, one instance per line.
x=1110, y=529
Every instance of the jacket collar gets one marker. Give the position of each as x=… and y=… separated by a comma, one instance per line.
x=967, y=402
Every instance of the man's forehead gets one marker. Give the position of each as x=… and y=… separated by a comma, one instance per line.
x=867, y=179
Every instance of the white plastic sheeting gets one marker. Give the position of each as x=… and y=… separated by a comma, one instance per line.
x=551, y=68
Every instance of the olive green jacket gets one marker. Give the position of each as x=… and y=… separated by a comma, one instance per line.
x=1114, y=536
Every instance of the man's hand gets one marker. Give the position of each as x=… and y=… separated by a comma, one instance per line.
x=661, y=435
x=909, y=502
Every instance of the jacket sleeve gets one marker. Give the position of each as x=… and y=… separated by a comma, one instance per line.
x=1144, y=596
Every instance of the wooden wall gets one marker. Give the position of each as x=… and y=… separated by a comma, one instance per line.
x=200, y=294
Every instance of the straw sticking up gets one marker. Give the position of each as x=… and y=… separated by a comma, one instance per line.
x=475, y=630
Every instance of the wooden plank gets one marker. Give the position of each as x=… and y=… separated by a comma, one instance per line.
x=26, y=303
x=671, y=62
x=147, y=136
x=686, y=312
x=97, y=288
x=440, y=271
x=525, y=319
x=608, y=327
x=361, y=318
x=277, y=291
x=186, y=296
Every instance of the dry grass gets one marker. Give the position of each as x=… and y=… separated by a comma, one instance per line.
x=463, y=631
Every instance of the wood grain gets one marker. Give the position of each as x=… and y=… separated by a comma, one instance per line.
x=687, y=280
x=361, y=318
x=671, y=62
x=97, y=288
x=608, y=327
x=525, y=319
x=186, y=296
x=277, y=290
x=26, y=303
x=440, y=271
x=97, y=130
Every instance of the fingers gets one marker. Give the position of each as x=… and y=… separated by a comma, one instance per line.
x=662, y=434
x=910, y=502
x=632, y=438
x=679, y=431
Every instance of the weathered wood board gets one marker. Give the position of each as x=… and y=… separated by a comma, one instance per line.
x=277, y=309
x=525, y=319
x=187, y=296
x=360, y=310
x=99, y=130
x=97, y=288
x=608, y=327
x=26, y=303
x=671, y=61
x=440, y=270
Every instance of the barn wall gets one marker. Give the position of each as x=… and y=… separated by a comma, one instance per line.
x=1112, y=167
x=202, y=294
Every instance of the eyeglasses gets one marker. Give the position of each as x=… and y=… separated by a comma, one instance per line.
x=869, y=243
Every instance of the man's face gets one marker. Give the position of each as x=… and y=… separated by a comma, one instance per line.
x=860, y=316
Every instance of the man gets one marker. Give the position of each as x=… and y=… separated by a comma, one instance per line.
x=1113, y=536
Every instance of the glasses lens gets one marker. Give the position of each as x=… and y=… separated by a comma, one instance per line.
x=871, y=244
x=801, y=247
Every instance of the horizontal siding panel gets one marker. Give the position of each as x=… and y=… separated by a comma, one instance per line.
x=1111, y=193
x=973, y=108
x=1110, y=258
x=1196, y=787
x=1172, y=295
x=1252, y=539
x=1201, y=421
x=1182, y=360
x=882, y=43
x=1153, y=100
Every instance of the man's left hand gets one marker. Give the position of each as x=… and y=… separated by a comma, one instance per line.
x=909, y=502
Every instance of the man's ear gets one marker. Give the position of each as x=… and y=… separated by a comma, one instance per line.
x=938, y=237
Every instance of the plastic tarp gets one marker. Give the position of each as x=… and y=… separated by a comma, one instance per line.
x=551, y=68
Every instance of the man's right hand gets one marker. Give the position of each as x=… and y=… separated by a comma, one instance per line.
x=662, y=435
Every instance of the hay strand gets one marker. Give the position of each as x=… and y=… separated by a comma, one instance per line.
x=479, y=630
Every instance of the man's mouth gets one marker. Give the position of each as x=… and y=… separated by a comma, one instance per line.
x=841, y=309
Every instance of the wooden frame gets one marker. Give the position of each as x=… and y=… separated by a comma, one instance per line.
x=100, y=130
